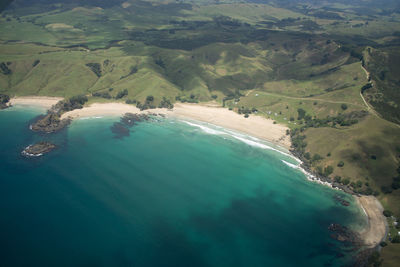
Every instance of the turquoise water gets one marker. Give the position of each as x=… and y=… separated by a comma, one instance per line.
x=170, y=194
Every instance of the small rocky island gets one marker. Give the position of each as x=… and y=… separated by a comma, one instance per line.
x=38, y=149
x=4, y=101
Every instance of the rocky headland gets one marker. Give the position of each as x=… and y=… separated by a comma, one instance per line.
x=52, y=121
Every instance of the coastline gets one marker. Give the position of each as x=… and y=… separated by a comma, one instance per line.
x=255, y=126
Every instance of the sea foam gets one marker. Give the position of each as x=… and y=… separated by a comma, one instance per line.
x=247, y=139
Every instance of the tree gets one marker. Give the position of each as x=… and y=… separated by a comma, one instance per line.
x=316, y=157
x=337, y=179
x=396, y=239
x=346, y=181
x=387, y=213
x=121, y=94
x=149, y=98
x=301, y=113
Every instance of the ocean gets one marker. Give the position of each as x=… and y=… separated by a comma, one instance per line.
x=172, y=193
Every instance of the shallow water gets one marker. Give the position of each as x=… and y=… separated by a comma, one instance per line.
x=173, y=193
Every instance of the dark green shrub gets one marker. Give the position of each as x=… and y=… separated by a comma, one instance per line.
x=396, y=239
x=121, y=94
x=387, y=213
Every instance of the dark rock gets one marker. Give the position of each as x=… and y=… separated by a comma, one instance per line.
x=339, y=199
x=4, y=99
x=345, y=235
x=38, y=149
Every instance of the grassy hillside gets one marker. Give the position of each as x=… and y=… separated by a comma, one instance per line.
x=298, y=62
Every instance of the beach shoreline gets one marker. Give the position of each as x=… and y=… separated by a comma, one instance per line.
x=255, y=126
x=35, y=101
x=375, y=231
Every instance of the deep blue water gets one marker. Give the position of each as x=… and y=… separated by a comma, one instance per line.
x=170, y=194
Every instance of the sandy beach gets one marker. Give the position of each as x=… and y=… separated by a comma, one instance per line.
x=256, y=126
x=375, y=231
x=41, y=101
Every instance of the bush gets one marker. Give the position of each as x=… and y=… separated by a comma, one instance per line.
x=149, y=98
x=340, y=164
x=316, y=157
x=301, y=113
x=214, y=96
x=105, y=95
x=337, y=179
x=344, y=106
x=383, y=244
x=165, y=103
x=246, y=115
x=387, y=213
x=95, y=67
x=121, y=94
x=307, y=155
x=130, y=101
x=396, y=239
x=79, y=99
x=396, y=185
x=386, y=189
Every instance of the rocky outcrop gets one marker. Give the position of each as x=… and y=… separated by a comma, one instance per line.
x=4, y=101
x=37, y=150
x=50, y=123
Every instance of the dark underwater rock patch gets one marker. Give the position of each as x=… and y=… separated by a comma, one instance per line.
x=121, y=129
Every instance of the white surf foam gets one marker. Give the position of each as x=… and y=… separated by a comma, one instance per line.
x=247, y=139
x=205, y=129
x=309, y=176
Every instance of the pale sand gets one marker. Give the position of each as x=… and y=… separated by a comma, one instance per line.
x=254, y=125
x=376, y=229
x=41, y=101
